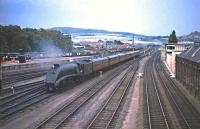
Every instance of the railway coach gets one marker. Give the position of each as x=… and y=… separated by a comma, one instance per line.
x=60, y=75
x=100, y=63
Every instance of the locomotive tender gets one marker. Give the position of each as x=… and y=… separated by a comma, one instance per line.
x=58, y=75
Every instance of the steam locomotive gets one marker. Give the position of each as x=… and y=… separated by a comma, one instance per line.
x=59, y=75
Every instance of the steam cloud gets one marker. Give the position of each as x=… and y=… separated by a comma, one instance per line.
x=50, y=49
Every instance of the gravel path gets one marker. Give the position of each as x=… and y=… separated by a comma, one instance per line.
x=134, y=114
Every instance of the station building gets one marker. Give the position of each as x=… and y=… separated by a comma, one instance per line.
x=188, y=69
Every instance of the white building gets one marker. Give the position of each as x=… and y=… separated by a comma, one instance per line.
x=170, y=52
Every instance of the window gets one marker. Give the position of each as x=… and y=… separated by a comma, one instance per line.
x=171, y=47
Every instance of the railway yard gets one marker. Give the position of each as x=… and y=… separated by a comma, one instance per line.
x=133, y=94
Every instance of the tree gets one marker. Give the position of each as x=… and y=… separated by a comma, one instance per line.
x=20, y=41
x=3, y=44
x=172, y=37
x=13, y=38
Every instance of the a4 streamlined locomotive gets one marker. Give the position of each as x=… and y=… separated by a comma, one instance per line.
x=59, y=75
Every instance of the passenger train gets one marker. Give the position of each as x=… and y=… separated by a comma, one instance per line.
x=59, y=75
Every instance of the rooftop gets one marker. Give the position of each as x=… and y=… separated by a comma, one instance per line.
x=192, y=53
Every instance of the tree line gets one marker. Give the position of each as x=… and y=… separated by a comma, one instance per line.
x=13, y=38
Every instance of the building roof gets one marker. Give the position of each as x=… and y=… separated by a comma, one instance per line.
x=192, y=53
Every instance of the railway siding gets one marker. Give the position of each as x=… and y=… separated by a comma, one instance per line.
x=186, y=113
x=155, y=113
x=166, y=103
x=107, y=114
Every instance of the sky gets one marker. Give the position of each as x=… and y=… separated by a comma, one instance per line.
x=149, y=17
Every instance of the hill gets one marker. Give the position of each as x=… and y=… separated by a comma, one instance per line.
x=93, y=32
x=193, y=36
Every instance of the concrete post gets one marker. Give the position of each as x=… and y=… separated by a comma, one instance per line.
x=101, y=73
x=13, y=90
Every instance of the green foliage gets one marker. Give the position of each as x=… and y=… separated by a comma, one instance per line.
x=3, y=44
x=13, y=38
x=172, y=37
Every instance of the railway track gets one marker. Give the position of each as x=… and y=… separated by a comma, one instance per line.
x=104, y=118
x=10, y=79
x=20, y=102
x=6, y=94
x=187, y=115
x=57, y=119
x=20, y=94
x=116, y=118
x=155, y=113
x=24, y=96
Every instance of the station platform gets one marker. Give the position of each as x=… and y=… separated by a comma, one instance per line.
x=39, y=63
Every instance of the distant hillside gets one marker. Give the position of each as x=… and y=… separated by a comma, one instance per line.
x=78, y=30
x=92, y=32
x=194, y=36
